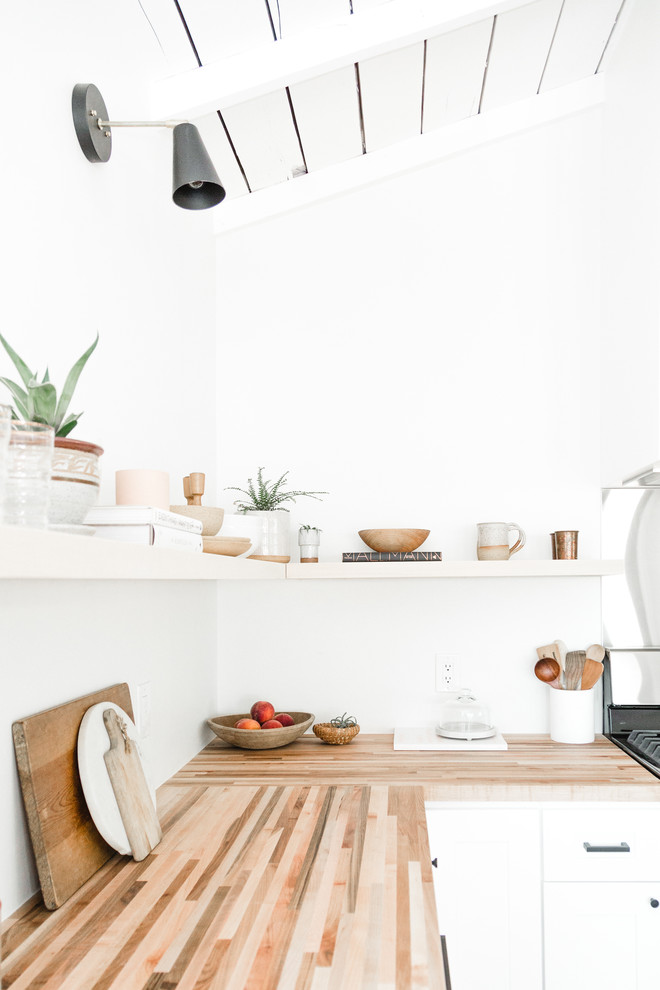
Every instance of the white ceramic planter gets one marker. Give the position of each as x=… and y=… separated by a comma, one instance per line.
x=75, y=481
x=272, y=535
x=309, y=541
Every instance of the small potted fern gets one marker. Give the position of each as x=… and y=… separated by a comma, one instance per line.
x=76, y=475
x=264, y=500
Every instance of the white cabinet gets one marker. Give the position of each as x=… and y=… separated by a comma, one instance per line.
x=605, y=844
x=602, y=936
x=602, y=898
x=545, y=896
x=488, y=895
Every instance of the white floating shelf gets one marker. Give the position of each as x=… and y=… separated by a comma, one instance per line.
x=41, y=554
x=45, y=555
x=455, y=569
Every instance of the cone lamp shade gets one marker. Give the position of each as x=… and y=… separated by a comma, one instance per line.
x=196, y=185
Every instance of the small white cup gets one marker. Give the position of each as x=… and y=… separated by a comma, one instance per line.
x=143, y=487
x=572, y=716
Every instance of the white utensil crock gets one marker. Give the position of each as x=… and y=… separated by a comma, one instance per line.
x=572, y=716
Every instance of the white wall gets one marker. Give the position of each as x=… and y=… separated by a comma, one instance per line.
x=87, y=248
x=427, y=351
x=631, y=248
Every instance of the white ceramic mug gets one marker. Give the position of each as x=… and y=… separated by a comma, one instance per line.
x=493, y=540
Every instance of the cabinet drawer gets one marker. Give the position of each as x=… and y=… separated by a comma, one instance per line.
x=601, y=844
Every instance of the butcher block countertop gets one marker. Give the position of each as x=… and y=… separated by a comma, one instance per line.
x=300, y=868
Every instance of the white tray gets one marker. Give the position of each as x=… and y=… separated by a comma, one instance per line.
x=425, y=738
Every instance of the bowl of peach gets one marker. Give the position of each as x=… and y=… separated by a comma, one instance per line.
x=262, y=727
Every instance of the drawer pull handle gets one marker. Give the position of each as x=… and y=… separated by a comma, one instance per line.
x=434, y=862
x=623, y=848
x=654, y=902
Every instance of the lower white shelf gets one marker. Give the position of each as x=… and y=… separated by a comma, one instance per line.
x=41, y=554
x=456, y=569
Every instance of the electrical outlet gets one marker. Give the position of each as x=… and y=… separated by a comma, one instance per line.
x=446, y=671
x=144, y=709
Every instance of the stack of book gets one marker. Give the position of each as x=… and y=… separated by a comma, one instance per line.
x=146, y=525
x=368, y=556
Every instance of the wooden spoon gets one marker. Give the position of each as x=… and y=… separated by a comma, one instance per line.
x=575, y=661
x=591, y=673
x=547, y=670
x=595, y=652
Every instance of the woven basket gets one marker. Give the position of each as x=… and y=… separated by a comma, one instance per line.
x=327, y=733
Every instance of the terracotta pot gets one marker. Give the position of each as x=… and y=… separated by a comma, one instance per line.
x=75, y=481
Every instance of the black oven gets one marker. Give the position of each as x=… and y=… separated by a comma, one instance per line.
x=631, y=704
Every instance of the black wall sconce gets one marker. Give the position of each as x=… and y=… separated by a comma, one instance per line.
x=196, y=185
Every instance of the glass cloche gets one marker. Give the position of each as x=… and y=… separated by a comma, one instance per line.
x=464, y=717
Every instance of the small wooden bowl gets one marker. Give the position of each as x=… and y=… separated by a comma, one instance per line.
x=393, y=540
x=329, y=733
x=223, y=726
x=227, y=546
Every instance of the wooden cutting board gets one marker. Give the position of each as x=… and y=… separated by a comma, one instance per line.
x=130, y=788
x=67, y=846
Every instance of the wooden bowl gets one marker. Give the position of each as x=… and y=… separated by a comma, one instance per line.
x=210, y=518
x=393, y=540
x=228, y=546
x=328, y=733
x=223, y=726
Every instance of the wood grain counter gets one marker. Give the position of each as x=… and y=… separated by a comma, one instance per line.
x=532, y=769
x=303, y=868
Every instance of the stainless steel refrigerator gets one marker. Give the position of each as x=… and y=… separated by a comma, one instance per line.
x=631, y=620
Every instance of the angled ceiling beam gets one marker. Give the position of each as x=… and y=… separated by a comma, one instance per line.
x=261, y=70
x=409, y=156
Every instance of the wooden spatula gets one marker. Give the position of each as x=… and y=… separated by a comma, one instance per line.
x=575, y=661
x=549, y=652
x=561, y=647
x=595, y=652
x=591, y=673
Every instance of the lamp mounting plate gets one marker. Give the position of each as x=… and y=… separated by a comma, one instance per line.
x=88, y=108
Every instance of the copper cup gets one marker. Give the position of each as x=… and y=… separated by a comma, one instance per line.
x=564, y=544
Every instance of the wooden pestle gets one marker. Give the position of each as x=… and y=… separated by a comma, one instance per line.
x=193, y=487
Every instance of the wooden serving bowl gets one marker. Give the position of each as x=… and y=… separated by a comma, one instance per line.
x=393, y=540
x=210, y=517
x=223, y=726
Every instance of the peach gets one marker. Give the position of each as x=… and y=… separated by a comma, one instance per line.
x=284, y=718
x=272, y=723
x=262, y=711
x=247, y=723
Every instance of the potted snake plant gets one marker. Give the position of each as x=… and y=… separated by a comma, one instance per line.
x=75, y=475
